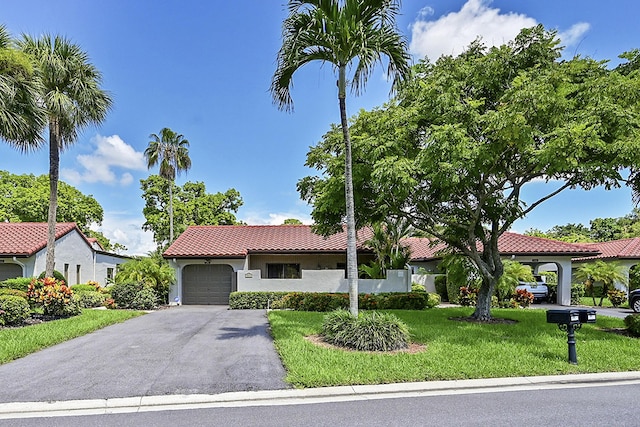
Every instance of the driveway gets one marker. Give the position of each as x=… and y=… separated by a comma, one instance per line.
x=620, y=313
x=180, y=350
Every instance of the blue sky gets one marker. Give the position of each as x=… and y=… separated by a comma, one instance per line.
x=203, y=68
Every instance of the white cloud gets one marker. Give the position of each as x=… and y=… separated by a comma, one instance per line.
x=255, y=218
x=127, y=230
x=451, y=34
x=110, y=153
x=574, y=34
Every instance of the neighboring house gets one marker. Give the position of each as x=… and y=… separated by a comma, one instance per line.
x=625, y=252
x=23, y=249
x=527, y=250
x=213, y=261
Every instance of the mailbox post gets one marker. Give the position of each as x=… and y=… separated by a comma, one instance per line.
x=570, y=320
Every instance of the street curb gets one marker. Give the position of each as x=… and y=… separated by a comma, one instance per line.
x=15, y=410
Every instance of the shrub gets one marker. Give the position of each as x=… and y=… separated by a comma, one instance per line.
x=617, y=297
x=632, y=322
x=468, y=296
x=20, y=283
x=53, y=296
x=319, y=301
x=56, y=275
x=370, y=331
x=417, y=287
x=14, y=292
x=110, y=303
x=89, y=299
x=433, y=300
x=577, y=292
x=13, y=310
x=440, y=283
x=553, y=292
x=127, y=295
x=152, y=272
x=255, y=300
x=83, y=288
x=401, y=301
x=523, y=298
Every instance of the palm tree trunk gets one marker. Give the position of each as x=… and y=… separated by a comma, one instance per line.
x=170, y=212
x=352, y=255
x=54, y=166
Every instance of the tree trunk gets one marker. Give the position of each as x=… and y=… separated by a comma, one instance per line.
x=170, y=212
x=483, y=305
x=54, y=166
x=352, y=255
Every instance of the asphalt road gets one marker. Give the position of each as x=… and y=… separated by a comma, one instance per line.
x=180, y=350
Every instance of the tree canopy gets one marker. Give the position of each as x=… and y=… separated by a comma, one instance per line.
x=192, y=206
x=452, y=152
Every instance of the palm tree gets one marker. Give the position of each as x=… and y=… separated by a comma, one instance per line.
x=341, y=32
x=608, y=273
x=22, y=119
x=72, y=98
x=171, y=150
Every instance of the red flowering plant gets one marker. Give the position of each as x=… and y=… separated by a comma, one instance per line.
x=54, y=296
x=523, y=298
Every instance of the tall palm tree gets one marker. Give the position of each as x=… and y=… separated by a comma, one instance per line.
x=22, y=119
x=171, y=150
x=73, y=99
x=341, y=32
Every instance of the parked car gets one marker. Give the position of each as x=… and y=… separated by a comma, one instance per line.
x=538, y=288
x=634, y=300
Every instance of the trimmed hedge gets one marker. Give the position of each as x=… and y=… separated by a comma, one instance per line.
x=89, y=299
x=19, y=283
x=254, y=300
x=323, y=301
x=13, y=310
x=83, y=288
x=14, y=292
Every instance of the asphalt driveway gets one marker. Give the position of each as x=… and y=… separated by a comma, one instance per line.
x=180, y=350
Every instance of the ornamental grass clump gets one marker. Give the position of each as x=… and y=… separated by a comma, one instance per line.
x=370, y=331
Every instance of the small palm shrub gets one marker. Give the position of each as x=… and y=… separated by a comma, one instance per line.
x=370, y=331
x=617, y=297
x=89, y=299
x=632, y=322
x=55, y=298
x=13, y=310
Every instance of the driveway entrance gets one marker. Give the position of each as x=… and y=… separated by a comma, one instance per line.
x=180, y=350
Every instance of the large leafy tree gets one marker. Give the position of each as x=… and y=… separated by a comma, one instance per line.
x=343, y=33
x=467, y=133
x=193, y=206
x=70, y=91
x=22, y=118
x=171, y=151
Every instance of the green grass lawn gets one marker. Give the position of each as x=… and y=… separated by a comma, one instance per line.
x=588, y=301
x=18, y=342
x=454, y=349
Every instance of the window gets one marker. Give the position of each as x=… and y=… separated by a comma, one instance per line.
x=109, y=273
x=283, y=271
x=78, y=274
x=66, y=273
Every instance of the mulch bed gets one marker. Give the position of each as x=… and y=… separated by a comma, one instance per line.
x=320, y=342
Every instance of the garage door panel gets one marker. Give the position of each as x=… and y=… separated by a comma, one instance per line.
x=206, y=284
x=10, y=271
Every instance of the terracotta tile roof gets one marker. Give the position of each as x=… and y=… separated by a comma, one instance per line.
x=615, y=249
x=27, y=238
x=508, y=244
x=236, y=241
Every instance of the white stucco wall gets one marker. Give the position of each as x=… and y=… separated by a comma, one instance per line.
x=426, y=280
x=323, y=281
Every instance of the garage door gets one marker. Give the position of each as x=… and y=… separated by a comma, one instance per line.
x=10, y=271
x=206, y=284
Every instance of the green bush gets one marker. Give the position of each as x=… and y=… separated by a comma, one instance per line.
x=136, y=296
x=20, y=283
x=440, y=283
x=14, y=292
x=468, y=296
x=322, y=301
x=152, y=272
x=13, y=310
x=417, y=287
x=55, y=298
x=523, y=298
x=83, y=288
x=553, y=292
x=89, y=299
x=370, y=331
x=577, y=292
x=433, y=300
x=632, y=322
x=617, y=297
x=255, y=300
x=56, y=275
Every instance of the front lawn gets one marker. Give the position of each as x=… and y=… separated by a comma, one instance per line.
x=454, y=349
x=18, y=342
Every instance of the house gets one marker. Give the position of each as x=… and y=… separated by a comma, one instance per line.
x=213, y=261
x=23, y=248
x=625, y=252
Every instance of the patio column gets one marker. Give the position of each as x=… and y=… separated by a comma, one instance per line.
x=564, y=282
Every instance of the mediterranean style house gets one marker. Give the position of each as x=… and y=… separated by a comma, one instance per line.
x=23, y=247
x=213, y=261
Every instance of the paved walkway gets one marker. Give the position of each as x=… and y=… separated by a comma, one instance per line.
x=181, y=350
